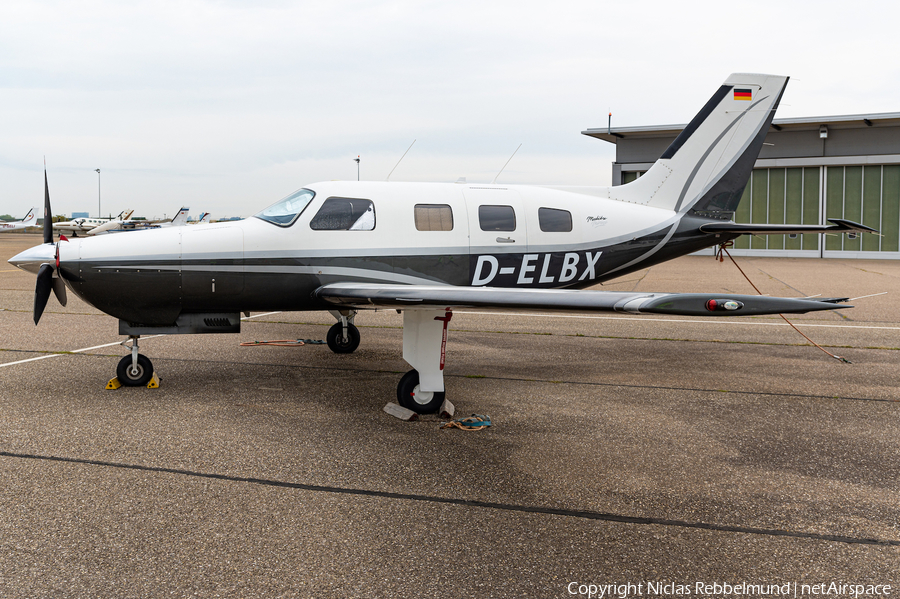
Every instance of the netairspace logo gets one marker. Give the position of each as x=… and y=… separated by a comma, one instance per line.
x=716, y=589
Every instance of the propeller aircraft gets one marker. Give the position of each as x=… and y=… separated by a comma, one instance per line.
x=426, y=249
x=86, y=225
x=115, y=226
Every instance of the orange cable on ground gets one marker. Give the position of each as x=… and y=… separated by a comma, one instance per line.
x=280, y=342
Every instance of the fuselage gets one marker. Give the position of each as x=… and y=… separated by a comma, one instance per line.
x=407, y=233
x=14, y=226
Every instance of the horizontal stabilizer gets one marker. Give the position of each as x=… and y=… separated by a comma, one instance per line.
x=838, y=225
x=364, y=295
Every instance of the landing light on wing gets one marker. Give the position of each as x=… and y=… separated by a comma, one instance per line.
x=722, y=304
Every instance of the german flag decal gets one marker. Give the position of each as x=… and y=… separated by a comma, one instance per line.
x=743, y=94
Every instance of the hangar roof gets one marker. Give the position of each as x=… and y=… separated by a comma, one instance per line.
x=849, y=121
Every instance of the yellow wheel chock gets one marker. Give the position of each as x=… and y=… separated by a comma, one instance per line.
x=114, y=383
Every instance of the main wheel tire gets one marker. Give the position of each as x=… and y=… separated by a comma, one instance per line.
x=138, y=379
x=336, y=341
x=413, y=398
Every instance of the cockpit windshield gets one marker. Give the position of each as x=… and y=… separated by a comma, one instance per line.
x=286, y=211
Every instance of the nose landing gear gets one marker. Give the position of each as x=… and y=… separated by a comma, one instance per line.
x=135, y=370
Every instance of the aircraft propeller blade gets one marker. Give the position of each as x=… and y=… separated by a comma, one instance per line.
x=42, y=290
x=59, y=290
x=48, y=217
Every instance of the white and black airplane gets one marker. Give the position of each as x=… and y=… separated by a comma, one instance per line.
x=30, y=220
x=116, y=226
x=85, y=224
x=428, y=248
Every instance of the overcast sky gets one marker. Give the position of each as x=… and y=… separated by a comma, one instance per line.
x=226, y=106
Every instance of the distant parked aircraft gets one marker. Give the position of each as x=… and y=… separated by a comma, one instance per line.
x=179, y=220
x=30, y=220
x=83, y=225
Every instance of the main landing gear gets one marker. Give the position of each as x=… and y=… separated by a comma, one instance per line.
x=135, y=370
x=424, y=345
x=411, y=396
x=343, y=337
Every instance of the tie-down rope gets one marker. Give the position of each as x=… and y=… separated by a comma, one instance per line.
x=723, y=247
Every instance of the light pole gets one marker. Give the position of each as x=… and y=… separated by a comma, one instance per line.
x=99, y=214
x=356, y=160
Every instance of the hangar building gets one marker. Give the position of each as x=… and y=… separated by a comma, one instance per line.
x=809, y=170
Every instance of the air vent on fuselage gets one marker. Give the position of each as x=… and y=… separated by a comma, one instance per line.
x=216, y=322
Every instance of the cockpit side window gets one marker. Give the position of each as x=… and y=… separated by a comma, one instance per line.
x=344, y=214
x=285, y=211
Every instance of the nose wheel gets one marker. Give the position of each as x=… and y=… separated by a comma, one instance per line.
x=134, y=370
x=133, y=374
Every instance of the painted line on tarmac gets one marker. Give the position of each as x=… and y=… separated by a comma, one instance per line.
x=74, y=351
x=508, y=507
x=678, y=320
x=84, y=349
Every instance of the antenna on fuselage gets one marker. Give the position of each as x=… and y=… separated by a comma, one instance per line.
x=388, y=178
x=504, y=166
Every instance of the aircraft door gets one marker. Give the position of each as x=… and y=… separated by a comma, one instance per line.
x=497, y=238
x=212, y=266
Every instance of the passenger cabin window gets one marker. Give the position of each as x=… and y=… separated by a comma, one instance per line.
x=434, y=217
x=497, y=218
x=285, y=212
x=344, y=214
x=555, y=221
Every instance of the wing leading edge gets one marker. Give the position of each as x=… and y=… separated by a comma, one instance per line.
x=365, y=295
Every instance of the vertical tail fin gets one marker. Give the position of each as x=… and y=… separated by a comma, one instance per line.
x=708, y=165
x=181, y=217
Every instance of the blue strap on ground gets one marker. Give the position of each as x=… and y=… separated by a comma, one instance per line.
x=475, y=422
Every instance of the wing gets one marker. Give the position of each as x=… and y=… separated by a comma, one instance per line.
x=372, y=295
